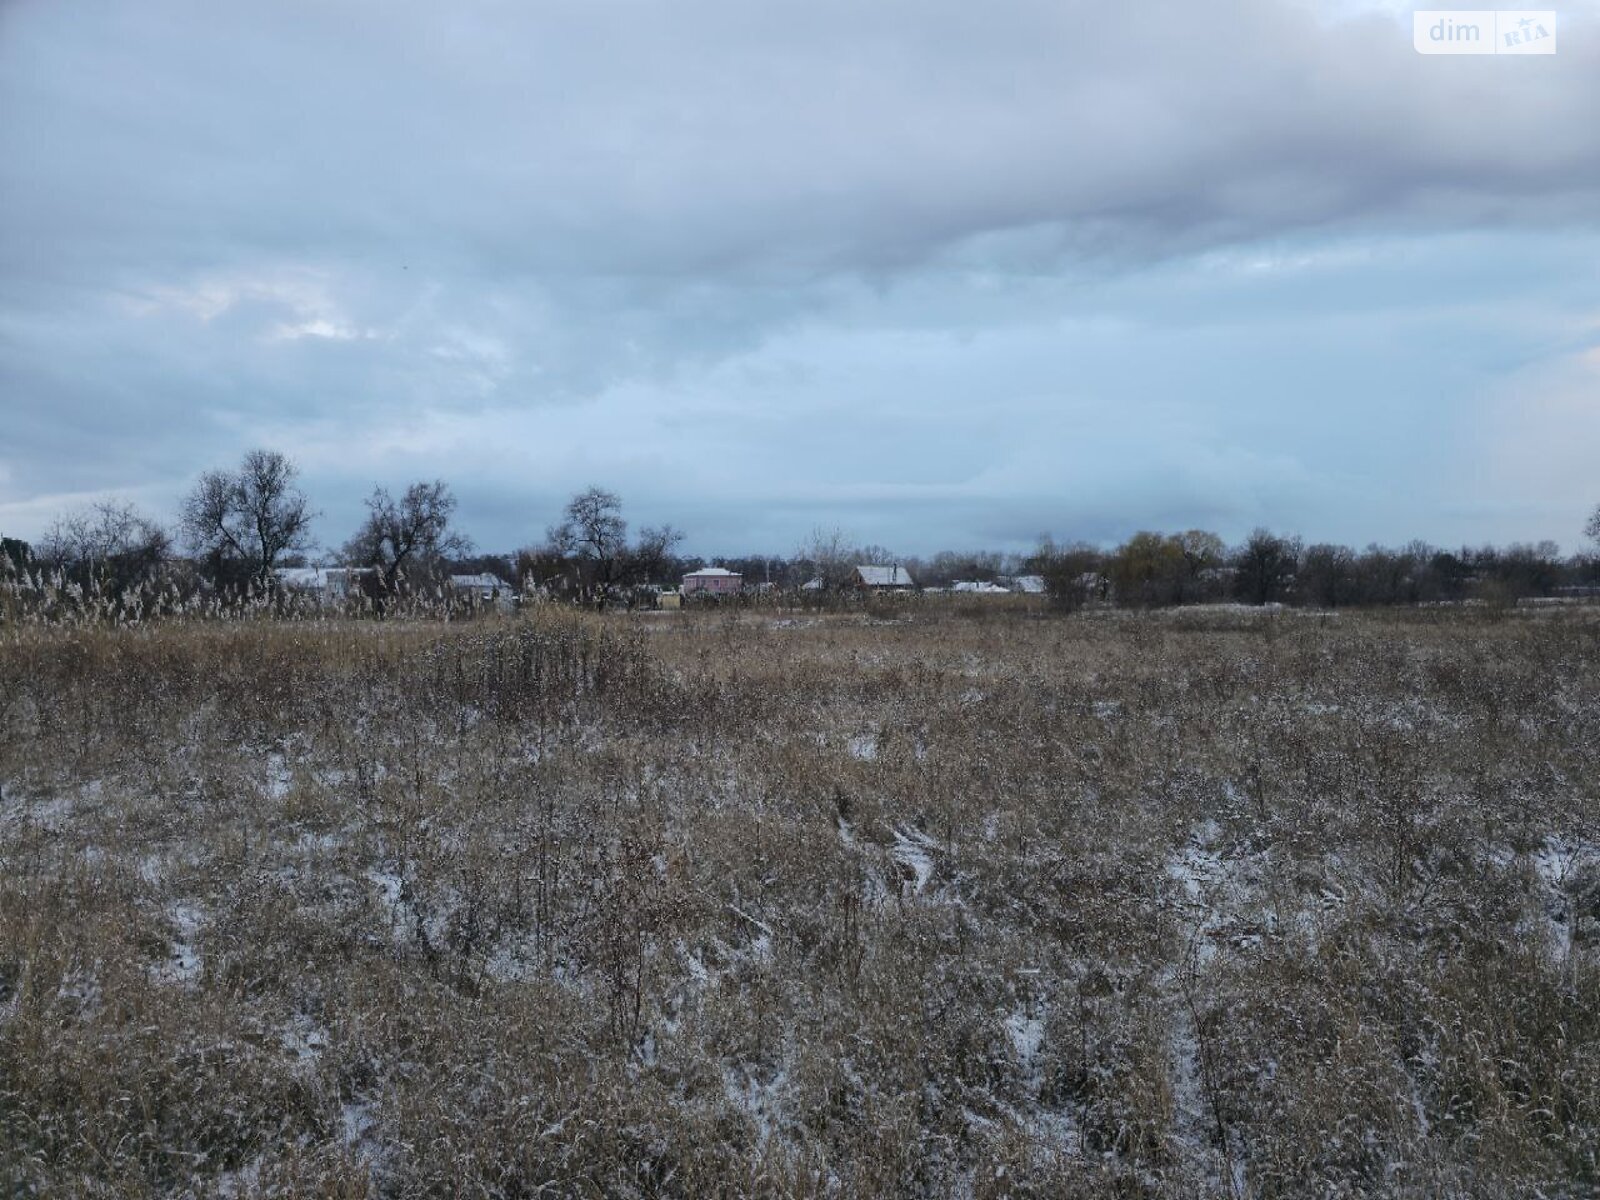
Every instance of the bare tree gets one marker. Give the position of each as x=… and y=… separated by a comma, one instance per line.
x=243, y=521
x=1266, y=564
x=412, y=533
x=652, y=553
x=1592, y=529
x=830, y=556
x=1328, y=575
x=1073, y=574
x=108, y=545
x=593, y=532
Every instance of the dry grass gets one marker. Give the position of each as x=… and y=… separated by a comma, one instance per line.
x=917, y=902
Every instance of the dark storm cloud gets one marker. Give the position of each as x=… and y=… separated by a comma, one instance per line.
x=698, y=251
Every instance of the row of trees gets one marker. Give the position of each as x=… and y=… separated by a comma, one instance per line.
x=239, y=526
x=1152, y=569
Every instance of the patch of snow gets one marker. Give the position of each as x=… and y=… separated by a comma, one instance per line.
x=694, y=964
x=508, y=964
x=864, y=747
x=234, y=1185
x=761, y=1102
x=646, y=1049
x=912, y=850
x=1212, y=894
x=279, y=777
x=847, y=834
x=184, y=965
x=317, y=843
x=1054, y=1129
x=1557, y=865
x=49, y=814
x=389, y=886
x=304, y=1041
x=1027, y=1037
x=356, y=1122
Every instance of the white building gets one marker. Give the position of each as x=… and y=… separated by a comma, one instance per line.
x=486, y=588
x=329, y=583
x=979, y=588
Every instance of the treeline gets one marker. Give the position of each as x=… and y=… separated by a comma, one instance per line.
x=1157, y=570
x=239, y=528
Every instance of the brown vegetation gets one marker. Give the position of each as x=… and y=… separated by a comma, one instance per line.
x=1200, y=903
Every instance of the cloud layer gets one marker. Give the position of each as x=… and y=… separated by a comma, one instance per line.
x=936, y=272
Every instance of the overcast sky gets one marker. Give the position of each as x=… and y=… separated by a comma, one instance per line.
x=944, y=274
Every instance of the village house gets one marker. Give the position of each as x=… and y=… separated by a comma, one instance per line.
x=868, y=578
x=485, y=588
x=712, y=581
x=327, y=583
x=884, y=579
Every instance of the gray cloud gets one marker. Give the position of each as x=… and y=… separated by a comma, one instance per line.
x=924, y=269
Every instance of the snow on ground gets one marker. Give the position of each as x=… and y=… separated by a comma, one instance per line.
x=913, y=851
x=511, y=962
x=50, y=814
x=82, y=988
x=847, y=834
x=356, y=1120
x=304, y=1041
x=279, y=777
x=1203, y=875
x=1558, y=864
x=1026, y=1033
x=183, y=967
x=389, y=887
x=761, y=1100
x=864, y=747
x=246, y=1181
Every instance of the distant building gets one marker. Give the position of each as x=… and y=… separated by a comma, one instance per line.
x=979, y=588
x=330, y=583
x=867, y=578
x=1029, y=585
x=884, y=579
x=486, y=588
x=712, y=581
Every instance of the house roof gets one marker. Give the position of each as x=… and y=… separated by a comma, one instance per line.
x=479, y=581
x=874, y=576
x=310, y=578
x=980, y=586
x=713, y=573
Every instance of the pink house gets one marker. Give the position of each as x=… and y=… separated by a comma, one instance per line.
x=712, y=581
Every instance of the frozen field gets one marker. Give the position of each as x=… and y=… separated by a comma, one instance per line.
x=1228, y=903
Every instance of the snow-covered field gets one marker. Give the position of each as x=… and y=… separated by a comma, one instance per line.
x=817, y=906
